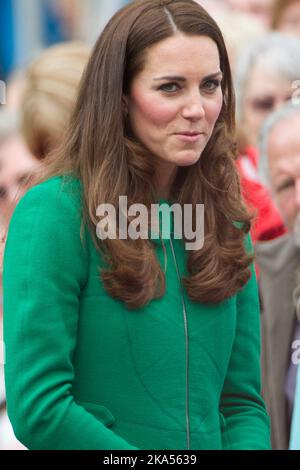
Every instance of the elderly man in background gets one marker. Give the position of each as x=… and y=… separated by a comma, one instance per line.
x=279, y=262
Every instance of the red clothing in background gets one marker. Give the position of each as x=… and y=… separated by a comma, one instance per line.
x=268, y=223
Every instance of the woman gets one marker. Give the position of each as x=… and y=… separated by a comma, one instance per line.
x=138, y=344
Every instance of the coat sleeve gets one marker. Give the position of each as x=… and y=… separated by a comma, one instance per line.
x=245, y=422
x=45, y=268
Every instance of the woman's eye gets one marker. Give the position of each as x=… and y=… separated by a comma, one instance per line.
x=212, y=85
x=169, y=87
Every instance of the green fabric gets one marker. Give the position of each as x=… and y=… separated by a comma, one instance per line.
x=84, y=372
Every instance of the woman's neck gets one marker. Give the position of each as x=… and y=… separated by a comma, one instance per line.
x=165, y=178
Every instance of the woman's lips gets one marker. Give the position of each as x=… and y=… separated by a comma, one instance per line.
x=189, y=136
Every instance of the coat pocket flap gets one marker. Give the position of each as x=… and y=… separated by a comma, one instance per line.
x=100, y=412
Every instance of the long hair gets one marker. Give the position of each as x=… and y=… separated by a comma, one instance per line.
x=100, y=152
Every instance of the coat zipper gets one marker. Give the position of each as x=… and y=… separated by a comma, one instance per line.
x=186, y=348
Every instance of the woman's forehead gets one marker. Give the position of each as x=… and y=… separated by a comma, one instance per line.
x=182, y=52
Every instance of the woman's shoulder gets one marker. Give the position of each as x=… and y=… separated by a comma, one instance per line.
x=51, y=205
x=56, y=193
x=45, y=227
x=65, y=186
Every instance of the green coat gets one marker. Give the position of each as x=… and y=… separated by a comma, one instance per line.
x=84, y=372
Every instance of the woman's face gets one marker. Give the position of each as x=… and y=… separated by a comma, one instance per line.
x=174, y=102
x=265, y=92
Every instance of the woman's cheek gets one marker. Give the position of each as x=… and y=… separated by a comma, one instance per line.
x=158, y=110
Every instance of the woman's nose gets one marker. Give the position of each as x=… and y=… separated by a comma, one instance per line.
x=193, y=107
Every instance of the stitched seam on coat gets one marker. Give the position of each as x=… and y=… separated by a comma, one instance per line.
x=164, y=411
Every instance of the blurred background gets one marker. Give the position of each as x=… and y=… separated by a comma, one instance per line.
x=28, y=26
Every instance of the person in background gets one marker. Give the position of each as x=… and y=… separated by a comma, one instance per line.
x=41, y=100
x=265, y=79
x=239, y=30
x=285, y=17
x=213, y=7
x=14, y=90
x=279, y=260
x=39, y=106
x=51, y=86
x=46, y=94
x=259, y=9
x=16, y=166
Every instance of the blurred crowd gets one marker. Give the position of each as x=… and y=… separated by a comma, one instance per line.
x=263, y=40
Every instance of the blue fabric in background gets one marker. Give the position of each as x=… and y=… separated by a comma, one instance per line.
x=54, y=30
x=7, y=43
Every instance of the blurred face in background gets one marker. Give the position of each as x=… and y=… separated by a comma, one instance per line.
x=289, y=22
x=284, y=166
x=265, y=92
x=16, y=165
x=261, y=9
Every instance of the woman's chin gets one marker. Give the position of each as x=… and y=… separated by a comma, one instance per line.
x=188, y=158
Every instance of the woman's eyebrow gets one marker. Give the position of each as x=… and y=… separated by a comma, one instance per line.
x=183, y=79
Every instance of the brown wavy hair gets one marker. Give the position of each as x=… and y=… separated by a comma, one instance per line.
x=109, y=162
